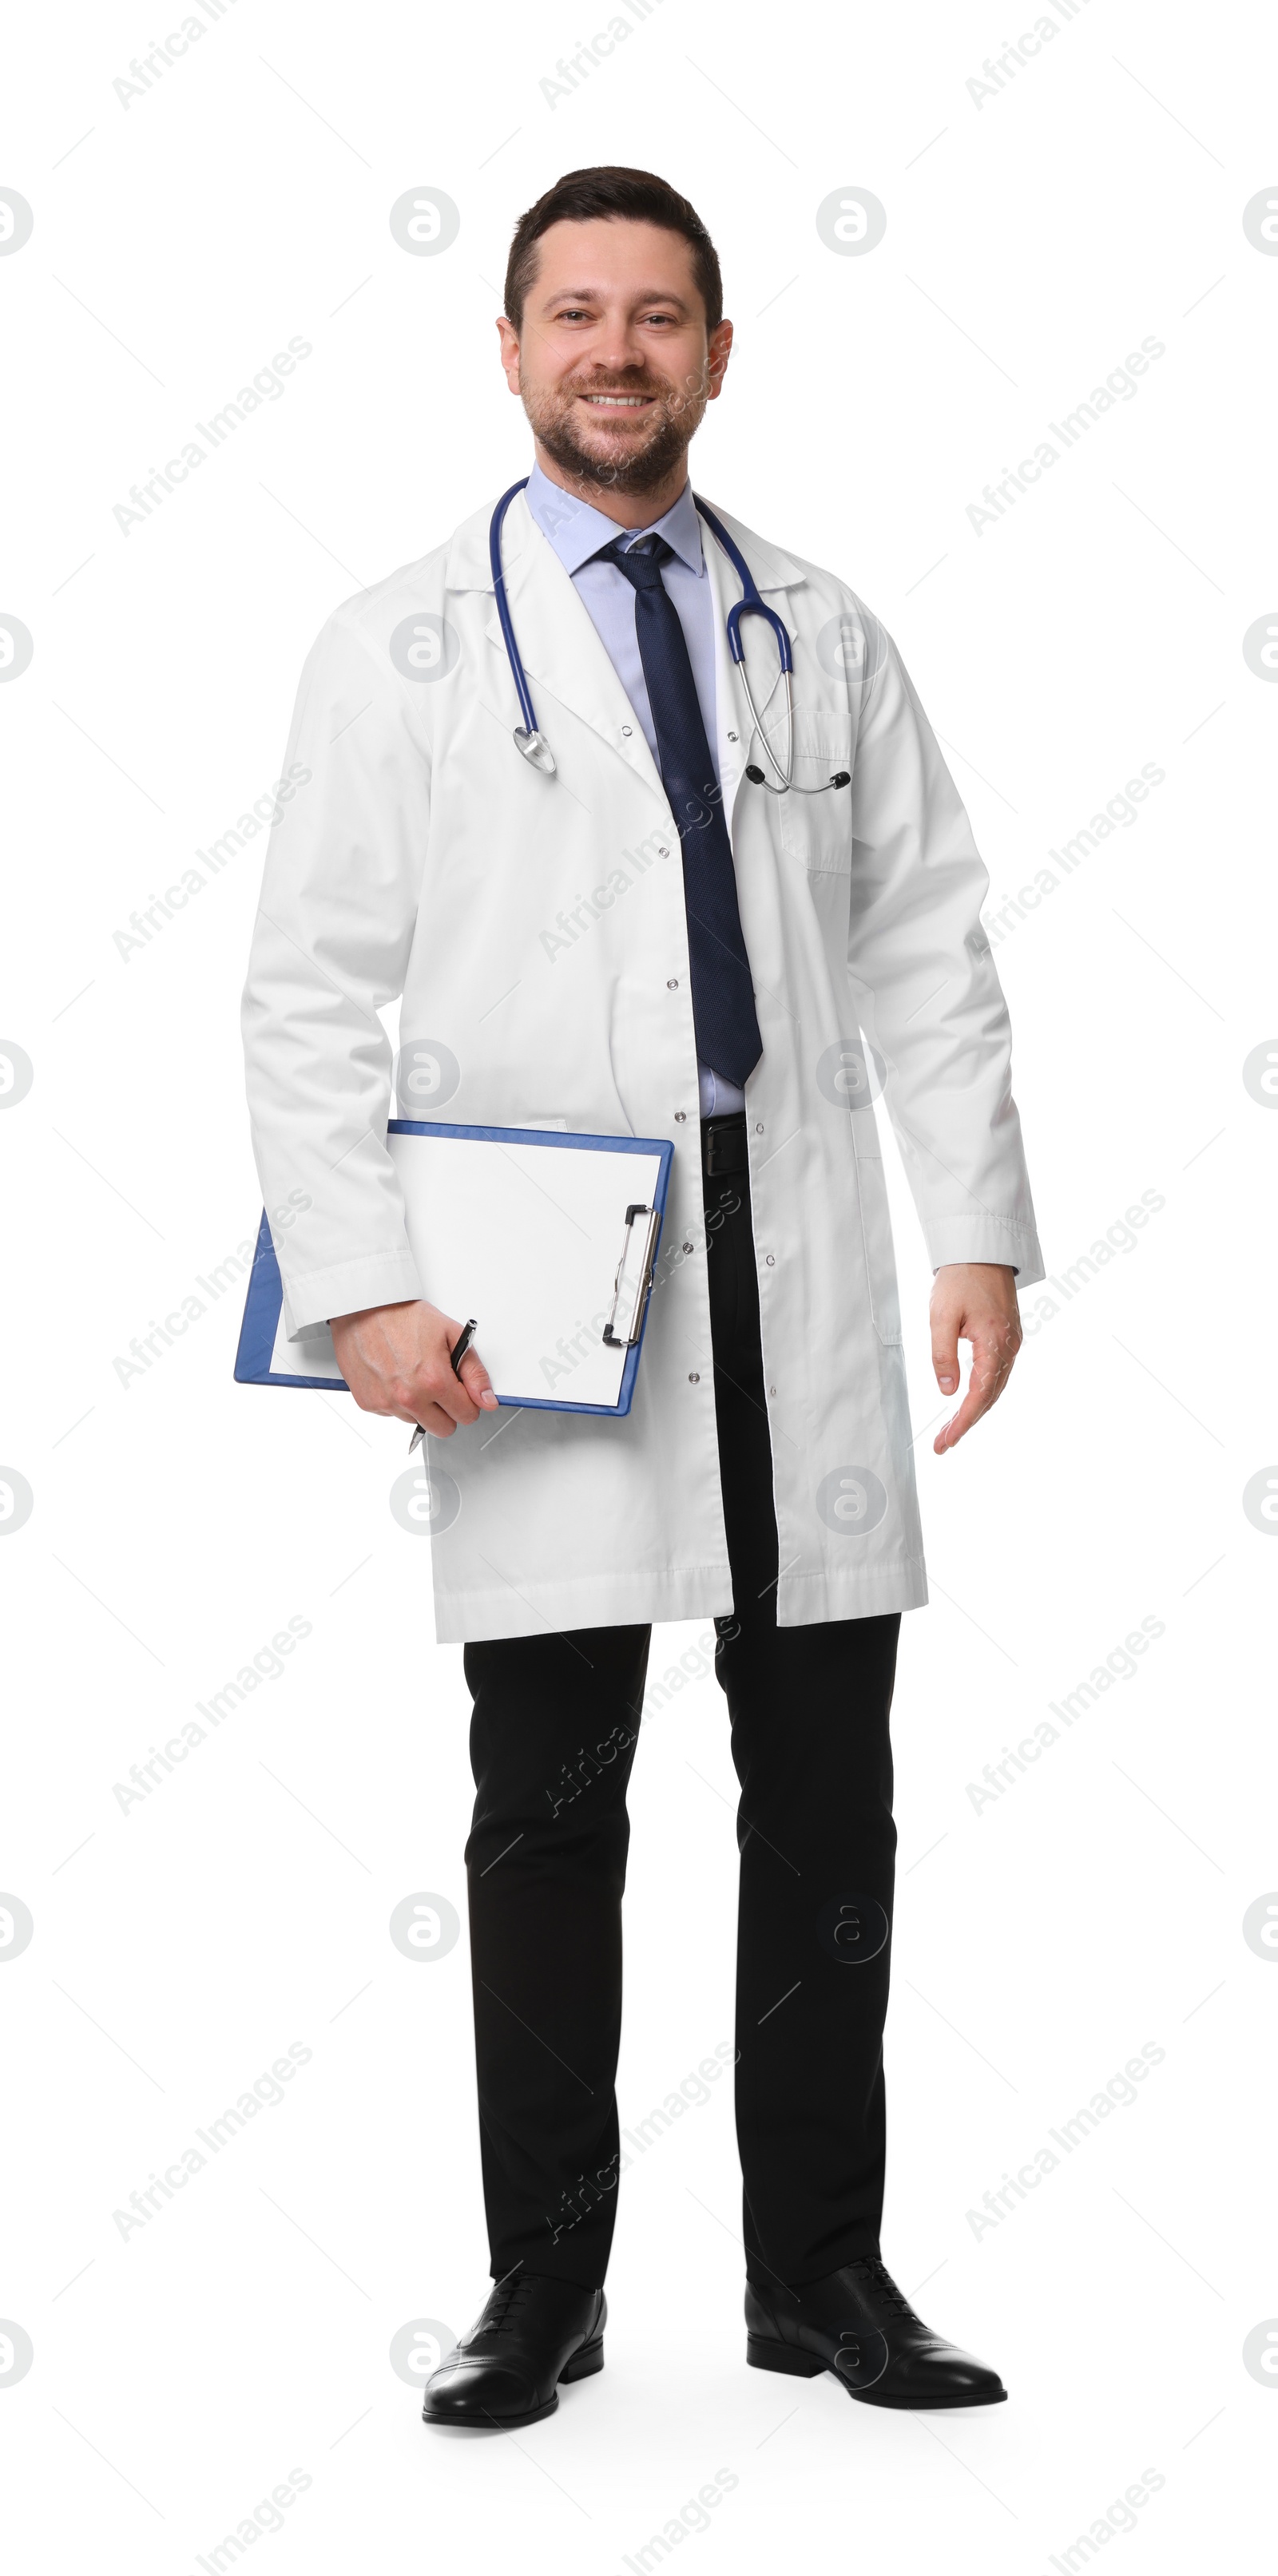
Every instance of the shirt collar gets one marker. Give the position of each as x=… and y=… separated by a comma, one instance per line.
x=577, y=531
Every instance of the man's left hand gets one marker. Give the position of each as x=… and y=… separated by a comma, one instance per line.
x=973, y=1301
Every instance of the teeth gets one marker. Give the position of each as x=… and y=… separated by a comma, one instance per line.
x=618, y=402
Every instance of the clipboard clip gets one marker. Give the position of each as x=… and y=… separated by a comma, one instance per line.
x=633, y=1284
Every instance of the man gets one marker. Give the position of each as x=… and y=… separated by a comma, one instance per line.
x=651, y=942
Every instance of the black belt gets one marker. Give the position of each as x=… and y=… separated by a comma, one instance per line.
x=723, y=1144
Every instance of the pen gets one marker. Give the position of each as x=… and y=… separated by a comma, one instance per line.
x=456, y=1356
x=462, y=1345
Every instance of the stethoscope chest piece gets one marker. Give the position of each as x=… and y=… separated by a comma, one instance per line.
x=536, y=749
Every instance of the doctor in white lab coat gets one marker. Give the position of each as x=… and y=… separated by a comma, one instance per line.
x=537, y=930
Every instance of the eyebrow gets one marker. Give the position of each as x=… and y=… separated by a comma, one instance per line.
x=595, y=294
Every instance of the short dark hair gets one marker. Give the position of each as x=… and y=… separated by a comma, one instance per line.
x=637, y=197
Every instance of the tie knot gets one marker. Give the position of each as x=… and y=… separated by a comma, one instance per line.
x=641, y=564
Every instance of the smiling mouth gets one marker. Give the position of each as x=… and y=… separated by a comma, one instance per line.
x=618, y=402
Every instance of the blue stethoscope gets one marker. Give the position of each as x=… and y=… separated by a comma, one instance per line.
x=534, y=745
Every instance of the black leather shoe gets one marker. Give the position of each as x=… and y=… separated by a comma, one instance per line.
x=858, y=2325
x=534, y=2333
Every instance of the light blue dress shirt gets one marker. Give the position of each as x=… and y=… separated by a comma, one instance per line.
x=576, y=532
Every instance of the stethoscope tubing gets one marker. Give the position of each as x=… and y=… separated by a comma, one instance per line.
x=533, y=744
x=513, y=654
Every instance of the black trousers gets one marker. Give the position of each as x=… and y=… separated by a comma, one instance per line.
x=553, y=1736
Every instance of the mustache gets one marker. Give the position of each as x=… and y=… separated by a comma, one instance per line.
x=629, y=384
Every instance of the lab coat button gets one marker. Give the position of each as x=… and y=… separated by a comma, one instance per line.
x=771, y=1260
x=627, y=730
x=694, y=1377
x=680, y=1115
x=672, y=983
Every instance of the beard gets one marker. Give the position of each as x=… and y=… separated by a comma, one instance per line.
x=645, y=460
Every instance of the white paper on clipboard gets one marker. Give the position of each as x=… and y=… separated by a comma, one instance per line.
x=529, y=1238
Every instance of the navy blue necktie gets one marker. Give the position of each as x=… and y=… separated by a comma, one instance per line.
x=723, y=1013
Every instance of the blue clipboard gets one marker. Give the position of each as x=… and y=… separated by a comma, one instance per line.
x=262, y=1356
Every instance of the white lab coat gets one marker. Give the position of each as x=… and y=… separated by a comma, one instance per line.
x=536, y=930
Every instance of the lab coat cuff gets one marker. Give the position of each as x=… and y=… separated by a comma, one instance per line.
x=348, y=1287
x=987, y=1238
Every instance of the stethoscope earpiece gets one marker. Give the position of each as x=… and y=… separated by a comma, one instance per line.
x=841, y=778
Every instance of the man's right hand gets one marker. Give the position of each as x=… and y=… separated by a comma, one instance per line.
x=395, y=1360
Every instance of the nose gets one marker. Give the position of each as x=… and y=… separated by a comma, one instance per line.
x=618, y=349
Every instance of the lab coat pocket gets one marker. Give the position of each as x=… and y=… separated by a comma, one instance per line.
x=818, y=828
x=876, y=1230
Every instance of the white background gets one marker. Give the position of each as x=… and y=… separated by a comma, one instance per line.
x=1032, y=240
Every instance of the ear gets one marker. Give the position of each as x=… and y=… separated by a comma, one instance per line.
x=509, y=339
x=720, y=350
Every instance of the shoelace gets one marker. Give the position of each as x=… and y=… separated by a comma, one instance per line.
x=881, y=2281
x=506, y=2298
